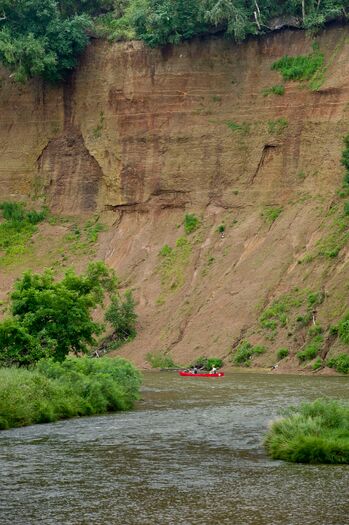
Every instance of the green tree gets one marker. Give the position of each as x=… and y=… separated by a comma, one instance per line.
x=121, y=315
x=37, y=40
x=54, y=317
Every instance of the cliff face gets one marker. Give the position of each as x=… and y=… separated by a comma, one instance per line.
x=144, y=136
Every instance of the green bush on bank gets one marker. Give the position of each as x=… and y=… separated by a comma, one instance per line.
x=160, y=360
x=76, y=387
x=339, y=363
x=315, y=432
x=245, y=352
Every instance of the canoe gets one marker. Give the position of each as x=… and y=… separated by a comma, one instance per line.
x=190, y=374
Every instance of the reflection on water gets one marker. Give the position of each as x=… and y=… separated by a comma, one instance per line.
x=190, y=454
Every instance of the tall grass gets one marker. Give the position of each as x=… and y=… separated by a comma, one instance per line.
x=315, y=432
x=16, y=229
x=76, y=387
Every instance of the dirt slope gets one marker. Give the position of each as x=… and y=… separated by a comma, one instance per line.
x=142, y=137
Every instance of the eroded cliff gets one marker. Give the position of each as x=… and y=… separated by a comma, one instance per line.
x=143, y=136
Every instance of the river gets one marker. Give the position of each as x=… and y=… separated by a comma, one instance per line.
x=191, y=453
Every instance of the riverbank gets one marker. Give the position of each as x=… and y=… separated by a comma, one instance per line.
x=76, y=387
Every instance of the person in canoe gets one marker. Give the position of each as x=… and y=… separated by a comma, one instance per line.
x=194, y=370
x=213, y=370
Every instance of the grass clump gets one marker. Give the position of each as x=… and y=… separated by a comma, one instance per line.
x=317, y=364
x=339, y=363
x=276, y=127
x=314, y=433
x=276, y=314
x=242, y=128
x=17, y=229
x=190, y=223
x=245, y=352
x=160, y=360
x=311, y=350
x=282, y=353
x=301, y=67
x=173, y=264
x=274, y=90
x=271, y=213
x=75, y=387
x=206, y=363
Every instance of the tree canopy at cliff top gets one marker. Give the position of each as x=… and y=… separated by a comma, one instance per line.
x=45, y=38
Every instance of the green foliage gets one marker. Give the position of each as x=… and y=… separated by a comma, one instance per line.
x=331, y=245
x=318, y=363
x=76, y=387
x=315, y=329
x=242, y=128
x=160, y=22
x=244, y=353
x=221, y=228
x=165, y=250
x=191, y=223
x=311, y=350
x=160, y=360
x=282, y=353
x=271, y=213
x=276, y=127
x=121, y=315
x=315, y=432
x=302, y=67
x=38, y=39
x=54, y=317
x=46, y=38
x=207, y=362
x=173, y=264
x=274, y=90
x=343, y=329
x=17, y=229
x=339, y=363
x=277, y=313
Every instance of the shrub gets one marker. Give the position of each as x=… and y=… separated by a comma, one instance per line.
x=191, y=223
x=221, y=228
x=317, y=364
x=54, y=317
x=76, y=387
x=315, y=329
x=17, y=229
x=160, y=360
x=343, y=329
x=311, y=350
x=339, y=363
x=245, y=351
x=302, y=67
x=165, y=250
x=207, y=362
x=274, y=90
x=271, y=213
x=122, y=316
x=315, y=432
x=282, y=353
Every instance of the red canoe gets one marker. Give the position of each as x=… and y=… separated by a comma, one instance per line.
x=190, y=374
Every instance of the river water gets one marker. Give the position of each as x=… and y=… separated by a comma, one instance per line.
x=191, y=453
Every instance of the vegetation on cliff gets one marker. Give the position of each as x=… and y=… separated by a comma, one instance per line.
x=51, y=318
x=315, y=432
x=76, y=387
x=45, y=38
